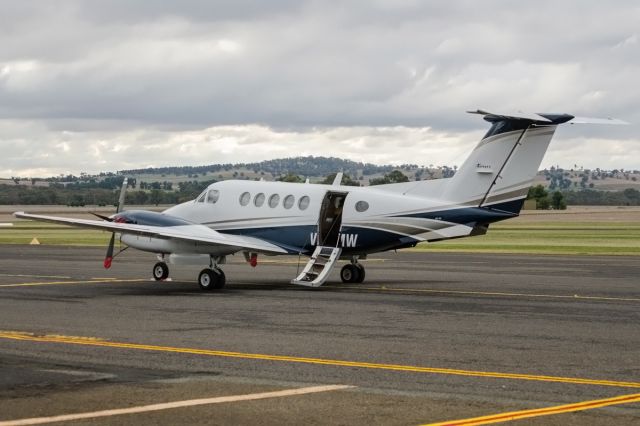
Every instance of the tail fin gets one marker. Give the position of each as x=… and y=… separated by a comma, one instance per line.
x=500, y=170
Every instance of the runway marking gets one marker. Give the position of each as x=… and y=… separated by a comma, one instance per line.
x=175, y=404
x=91, y=281
x=538, y=412
x=383, y=288
x=36, y=276
x=316, y=361
x=491, y=293
x=54, y=336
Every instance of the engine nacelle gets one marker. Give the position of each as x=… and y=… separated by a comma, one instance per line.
x=165, y=246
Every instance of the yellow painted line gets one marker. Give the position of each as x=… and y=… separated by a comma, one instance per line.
x=92, y=281
x=490, y=293
x=538, y=412
x=175, y=404
x=36, y=276
x=317, y=361
x=55, y=336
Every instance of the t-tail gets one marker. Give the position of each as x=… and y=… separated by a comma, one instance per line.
x=499, y=171
x=501, y=168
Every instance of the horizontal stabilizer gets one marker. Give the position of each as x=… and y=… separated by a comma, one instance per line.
x=545, y=118
x=519, y=115
x=589, y=120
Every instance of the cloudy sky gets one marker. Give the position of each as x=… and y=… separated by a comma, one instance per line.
x=89, y=86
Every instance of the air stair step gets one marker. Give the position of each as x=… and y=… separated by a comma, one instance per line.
x=317, y=269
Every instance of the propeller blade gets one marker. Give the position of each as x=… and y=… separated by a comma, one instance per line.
x=123, y=192
x=107, y=218
x=109, y=258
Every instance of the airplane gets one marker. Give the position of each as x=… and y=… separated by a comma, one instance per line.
x=332, y=222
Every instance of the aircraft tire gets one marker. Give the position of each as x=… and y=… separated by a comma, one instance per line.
x=361, y=273
x=207, y=279
x=221, y=279
x=350, y=273
x=160, y=271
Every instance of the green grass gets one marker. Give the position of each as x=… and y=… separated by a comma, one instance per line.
x=24, y=231
x=575, y=238
x=613, y=238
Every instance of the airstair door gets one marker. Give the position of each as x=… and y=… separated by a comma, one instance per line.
x=327, y=252
x=330, y=219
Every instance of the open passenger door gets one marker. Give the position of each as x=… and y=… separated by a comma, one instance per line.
x=327, y=252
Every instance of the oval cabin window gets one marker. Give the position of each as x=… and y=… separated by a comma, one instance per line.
x=274, y=200
x=259, y=200
x=245, y=198
x=303, y=203
x=362, y=206
x=288, y=202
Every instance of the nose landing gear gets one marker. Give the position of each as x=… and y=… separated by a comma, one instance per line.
x=160, y=271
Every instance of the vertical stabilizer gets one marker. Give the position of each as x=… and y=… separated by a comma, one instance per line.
x=500, y=170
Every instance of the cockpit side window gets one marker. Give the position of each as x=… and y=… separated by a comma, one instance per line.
x=212, y=196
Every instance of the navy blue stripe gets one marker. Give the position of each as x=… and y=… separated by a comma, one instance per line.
x=297, y=239
x=471, y=215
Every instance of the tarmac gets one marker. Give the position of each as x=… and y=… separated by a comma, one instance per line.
x=428, y=337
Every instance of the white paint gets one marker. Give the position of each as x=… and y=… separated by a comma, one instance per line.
x=171, y=405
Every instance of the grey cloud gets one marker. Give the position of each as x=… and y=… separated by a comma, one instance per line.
x=320, y=63
x=109, y=66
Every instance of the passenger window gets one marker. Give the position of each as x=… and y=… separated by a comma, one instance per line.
x=258, y=201
x=362, y=206
x=288, y=202
x=212, y=196
x=303, y=203
x=245, y=198
x=274, y=200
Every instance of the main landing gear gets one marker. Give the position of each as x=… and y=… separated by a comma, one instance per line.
x=352, y=272
x=211, y=278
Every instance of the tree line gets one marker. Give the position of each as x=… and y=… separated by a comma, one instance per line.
x=79, y=195
x=106, y=193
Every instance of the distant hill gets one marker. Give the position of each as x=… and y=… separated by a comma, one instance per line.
x=314, y=168
x=304, y=166
x=579, y=178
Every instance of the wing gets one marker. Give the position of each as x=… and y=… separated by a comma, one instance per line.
x=186, y=232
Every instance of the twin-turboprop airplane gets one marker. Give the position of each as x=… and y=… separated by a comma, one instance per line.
x=331, y=222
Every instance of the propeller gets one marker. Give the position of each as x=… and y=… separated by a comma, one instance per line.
x=109, y=257
x=107, y=218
